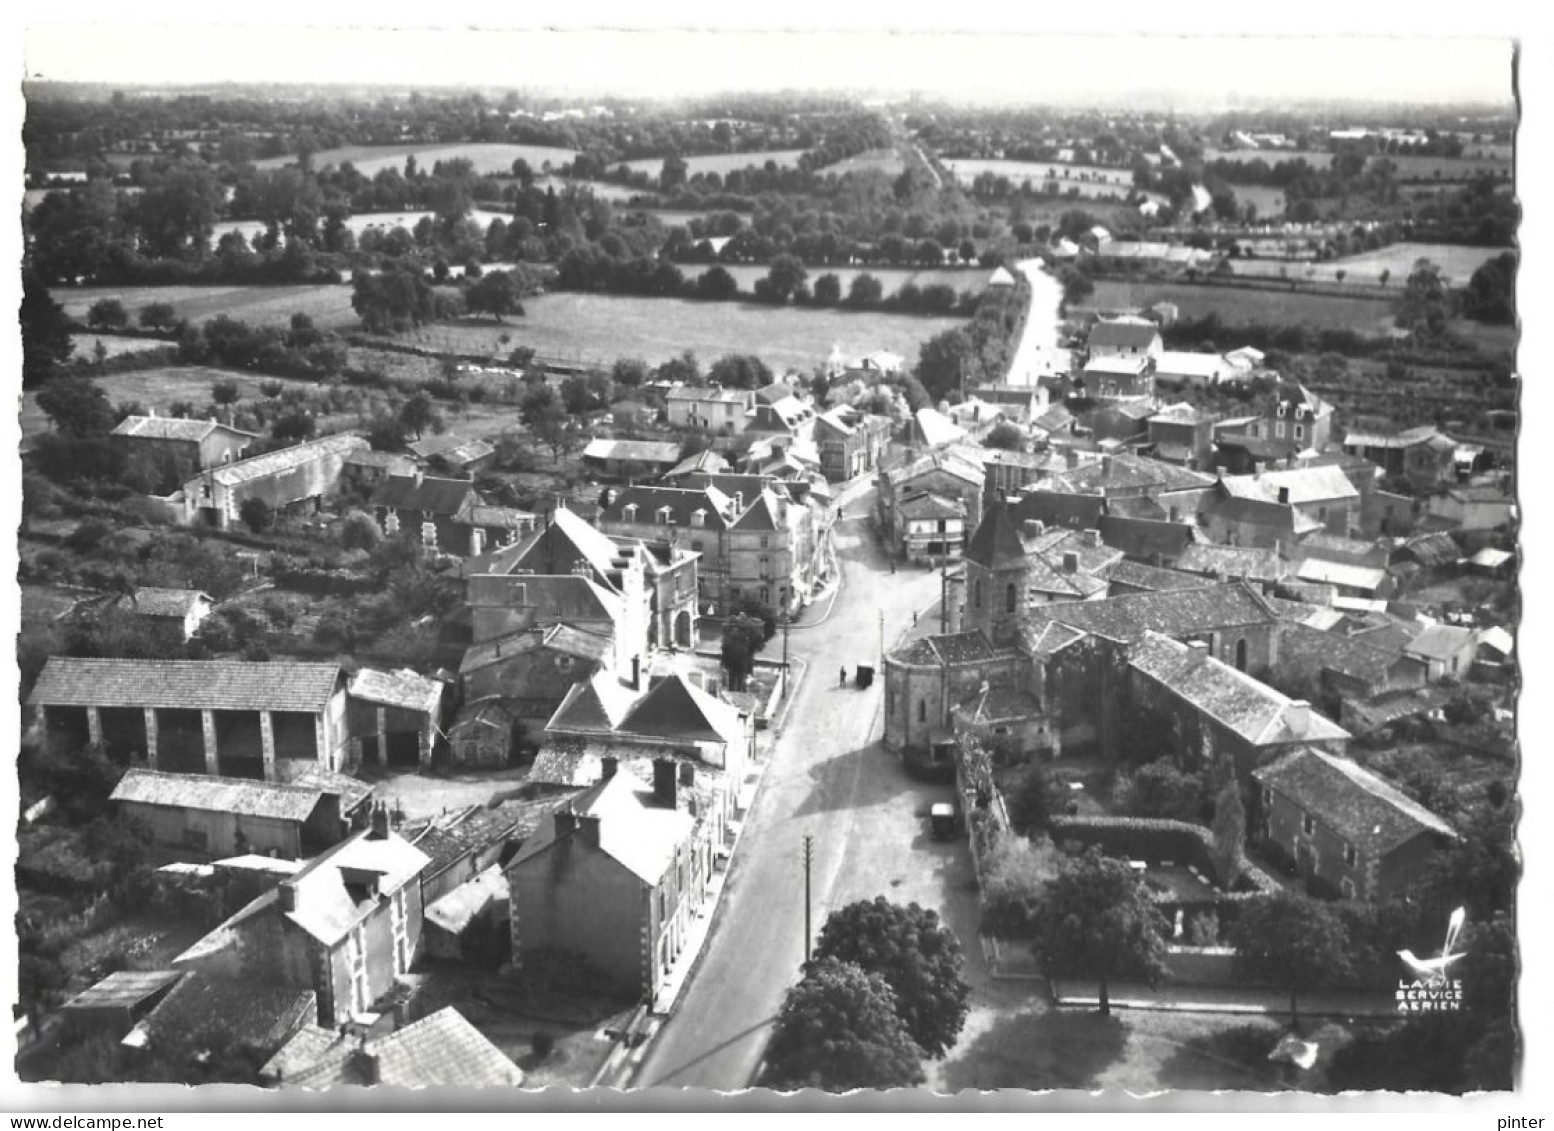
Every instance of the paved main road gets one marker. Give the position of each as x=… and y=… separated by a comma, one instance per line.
x=829, y=778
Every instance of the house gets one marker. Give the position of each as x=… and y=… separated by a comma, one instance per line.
x=1181, y=434
x=482, y=735
x=1119, y=375
x=1124, y=576
x=465, y=842
x=1117, y=424
x=616, y=876
x=1350, y=580
x=1474, y=507
x=187, y=445
x=442, y=1050
x=1005, y=474
x=1434, y=552
x=365, y=470
x=300, y=476
x=1345, y=665
x=1244, y=361
x=1125, y=337
x=933, y=429
x=429, y=507
x=346, y=926
x=631, y=459
x=394, y=717
x=221, y=717
x=205, y=1011
x=451, y=452
x=1263, y=567
x=115, y=1004
x=530, y=671
x=708, y=461
x=1217, y=710
x=1421, y=455
x=1295, y=419
x=723, y=411
x=1447, y=650
x=933, y=527
x=1179, y=491
x=1192, y=370
x=947, y=475
x=197, y=817
x=1344, y=826
x=850, y=442
x=1017, y=404
x=183, y=610
x=1278, y=507
x=788, y=416
x=1336, y=548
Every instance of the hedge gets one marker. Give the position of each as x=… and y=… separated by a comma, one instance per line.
x=1157, y=838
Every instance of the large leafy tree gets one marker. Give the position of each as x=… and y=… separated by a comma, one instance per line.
x=1097, y=921
x=743, y=636
x=495, y=294
x=1229, y=834
x=45, y=332
x=838, y=1030
x=740, y=371
x=943, y=360
x=1293, y=940
x=917, y=955
x=77, y=406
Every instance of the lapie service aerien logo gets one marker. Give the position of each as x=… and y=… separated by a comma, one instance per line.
x=1431, y=988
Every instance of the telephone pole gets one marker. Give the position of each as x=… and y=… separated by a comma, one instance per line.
x=809, y=855
x=944, y=591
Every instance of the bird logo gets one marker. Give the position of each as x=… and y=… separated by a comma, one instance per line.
x=1432, y=971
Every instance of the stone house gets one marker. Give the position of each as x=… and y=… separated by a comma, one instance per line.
x=723, y=411
x=300, y=476
x=184, y=610
x=189, y=444
x=395, y=718
x=197, y=817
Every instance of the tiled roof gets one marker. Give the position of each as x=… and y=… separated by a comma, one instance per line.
x=996, y=541
x=1250, y=708
x=675, y=708
x=1308, y=484
x=236, y=685
x=440, y=1051
x=997, y=703
x=710, y=394
x=928, y=505
x=634, y=829
x=174, y=428
x=1206, y=365
x=1432, y=549
x=1137, y=575
x=1055, y=419
x=456, y=450
x=449, y=837
x=150, y=602
x=1123, y=335
x=1405, y=439
x=1123, y=471
x=1441, y=642
x=1117, y=364
x=404, y=688
x=556, y=546
x=637, y=451
x=1178, y=612
x=1135, y=506
x=1341, y=573
x=258, y=1015
x=434, y=496
x=951, y=462
x=1211, y=560
x=217, y=795
x=679, y=504
x=328, y=907
x=350, y=791
x=1356, y=804
x=597, y=705
x=708, y=460
x=391, y=461
x=507, y=518
x=1308, y=649
x=948, y=648
x=286, y=459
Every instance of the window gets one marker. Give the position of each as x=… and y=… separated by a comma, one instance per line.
x=1241, y=654
x=765, y=541
x=766, y=566
x=1351, y=855
x=1278, y=429
x=1308, y=825
x=1282, y=409
x=922, y=710
x=1009, y=599
x=1267, y=798
x=1300, y=431
x=976, y=593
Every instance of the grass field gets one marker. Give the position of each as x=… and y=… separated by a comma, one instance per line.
x=86, y=344
x=1447, y=168
x=1269, y=201
x=1236, y=305
x=328, y=305
x=601, y=328
x=720, y=163
x=154, y=389
x=1456, y=262
x=884, y=160
x=972, y=279
x=488, y=157
x=604, y=190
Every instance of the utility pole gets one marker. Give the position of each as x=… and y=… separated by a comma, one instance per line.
x=809, y=856
x=786, y=617
x=944, y=592
x=882, y=637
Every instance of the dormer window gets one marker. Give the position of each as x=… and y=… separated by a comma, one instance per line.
x=1282, y=408
x=663, y=516
x=699, y=518
x=629, y=512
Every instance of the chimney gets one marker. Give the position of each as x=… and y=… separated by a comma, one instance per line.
x=608, y=765
x=566, y=821
x=379, y=829
x=1284, y=496
x=588, y=828
x=1092, y=537
x=366, y=1060
x=420, y=476
x=1071, y=561
x=636, y=673
x=1298, y=716
x=1106, y=465
x=665, y=778
x=1071, y=457
x=1200, y=647
x=288, y=896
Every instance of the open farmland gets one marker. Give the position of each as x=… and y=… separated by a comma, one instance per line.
x=1087, y=181
x=85, y=345
x=156, y=389
x=487, y=157
x=1456, y=262
x=597, y=329
x=1268, y=201
x=1243, y=305
x=892, y=279
x=1411, y=168
x=719, y=163
x=329, y=305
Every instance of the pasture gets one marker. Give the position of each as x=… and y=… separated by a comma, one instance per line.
x=1410, y=168
x=1268, y=201
x=357, y=224
x=720, y=163
x=85, y=345
x=886, y=161
x=154, y=389
x=892, y=279
x=487, y=157
x=1244, y=305
x=1456, y=262
x=328, y=305
x=598, y=329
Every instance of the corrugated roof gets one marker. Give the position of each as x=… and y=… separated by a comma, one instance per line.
x=123, y=989
x=279, y=685
x=403, y=688
x=286, y=459
x=217, y=795
x=1366, y=811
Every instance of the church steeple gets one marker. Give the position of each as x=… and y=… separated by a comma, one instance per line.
x=995, y=575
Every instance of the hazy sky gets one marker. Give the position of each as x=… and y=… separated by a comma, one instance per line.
x=977, y=66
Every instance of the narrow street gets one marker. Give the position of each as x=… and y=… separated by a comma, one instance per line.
x=829, y=778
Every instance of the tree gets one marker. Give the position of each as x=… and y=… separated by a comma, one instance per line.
x=1426, y=303
x=77, y=406
x=417, y=415
x=107, y=314
x=1096, y=920
x=583, y=393
x=225, y=391
x=716, y=284
x=542, y=411
x=629, y=372
x=46, y=340
x=1005, y=436
x=838, y=1030
x=1159, y=789
x=1229, y=834
x=740, y=371
x=944, y=360
x=495, y=294
x=918, y=957
x=784, y=277
x=158, y=316
x=828, y=290
x=256, y=514
x=682, y=370
x=1491, y=292
x=743, y=636
x=1293, y=940
x=865, y=291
